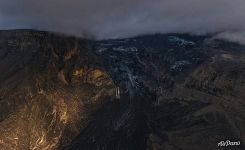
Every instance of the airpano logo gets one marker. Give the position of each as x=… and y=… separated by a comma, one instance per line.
x=228, y=143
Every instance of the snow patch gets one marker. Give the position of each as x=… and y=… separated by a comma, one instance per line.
x=179, y=65
x=180, y=41
x=123, y=49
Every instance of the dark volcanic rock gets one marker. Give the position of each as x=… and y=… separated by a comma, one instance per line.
x=158, y=92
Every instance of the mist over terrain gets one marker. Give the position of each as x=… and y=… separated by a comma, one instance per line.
x=125, y=18
x=122, y=74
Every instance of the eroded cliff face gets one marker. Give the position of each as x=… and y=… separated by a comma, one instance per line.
x=50, y=86
x=152, y=92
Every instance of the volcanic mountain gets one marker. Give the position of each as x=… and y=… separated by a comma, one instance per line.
x=152, y=92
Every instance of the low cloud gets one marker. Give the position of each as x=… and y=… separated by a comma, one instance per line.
x=124, y=18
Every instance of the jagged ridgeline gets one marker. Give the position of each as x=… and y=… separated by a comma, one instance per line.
x=153, y=92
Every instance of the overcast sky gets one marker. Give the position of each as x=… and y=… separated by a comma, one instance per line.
x=125, y=18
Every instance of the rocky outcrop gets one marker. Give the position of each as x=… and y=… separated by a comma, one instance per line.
x=45, y=99
x=146, y=93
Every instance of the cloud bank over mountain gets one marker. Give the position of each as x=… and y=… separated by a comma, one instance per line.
x=124, y=18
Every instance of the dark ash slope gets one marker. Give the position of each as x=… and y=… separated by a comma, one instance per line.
x=157, y=92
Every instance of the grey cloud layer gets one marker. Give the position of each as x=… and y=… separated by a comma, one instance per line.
x=123, y=18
